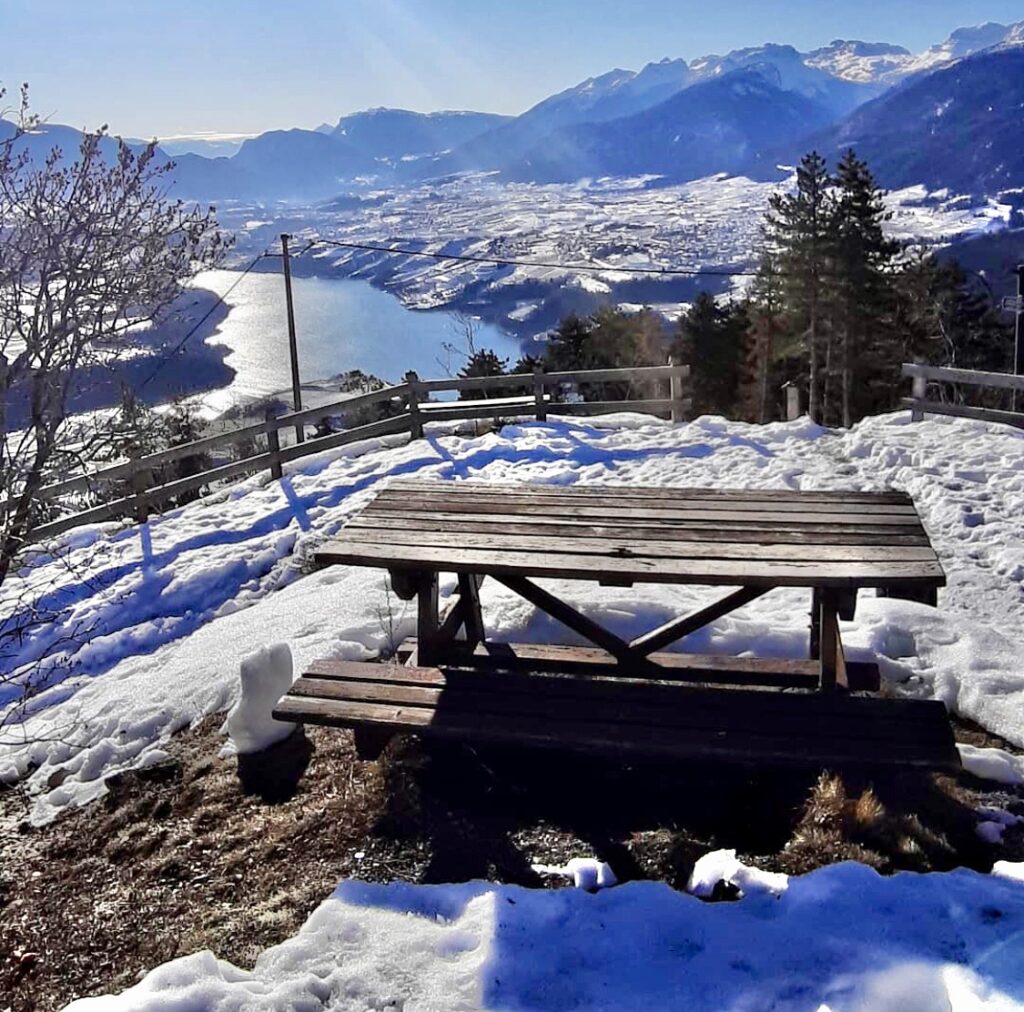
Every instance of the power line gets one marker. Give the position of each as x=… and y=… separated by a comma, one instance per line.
x=503, y=262
x=219, y=301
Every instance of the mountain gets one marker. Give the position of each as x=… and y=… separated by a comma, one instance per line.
x=958, y=127
x=794, y=73
x=878, y=63
x=595, y=100
x=720, y=125
x=388, y=134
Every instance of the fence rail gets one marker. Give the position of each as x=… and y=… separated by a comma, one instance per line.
x=412, y=411
x=922, y=375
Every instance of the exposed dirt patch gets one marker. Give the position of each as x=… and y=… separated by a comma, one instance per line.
x=201, y=852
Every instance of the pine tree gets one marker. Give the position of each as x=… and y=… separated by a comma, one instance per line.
x=767, y=327
x=710, y=340
x=799, y=229
x=862, y=275
x=482, y=362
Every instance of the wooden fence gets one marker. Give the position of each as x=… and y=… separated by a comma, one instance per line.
x=411, y=409
x=923, y=375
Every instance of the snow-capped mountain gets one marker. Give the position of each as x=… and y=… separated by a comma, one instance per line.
x=718, y=125
x=793, y=72
x=957, y=128
x=878, y=63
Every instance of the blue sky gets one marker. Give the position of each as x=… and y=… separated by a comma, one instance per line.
x=166, y=67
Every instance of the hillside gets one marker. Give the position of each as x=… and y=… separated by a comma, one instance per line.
x=721, y=125
x=957, y=128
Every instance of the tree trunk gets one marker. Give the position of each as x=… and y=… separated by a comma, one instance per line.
x=813, y=406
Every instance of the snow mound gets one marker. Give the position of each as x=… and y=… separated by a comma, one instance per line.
x=992, y=764
x=586, y=873
x=843, y=938
x=723, y=866
x=265, y=676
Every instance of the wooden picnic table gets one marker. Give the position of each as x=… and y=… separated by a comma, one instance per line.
x=746, y=541
x=831, y=542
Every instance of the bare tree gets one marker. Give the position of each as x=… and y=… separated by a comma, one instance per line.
x=90, y=247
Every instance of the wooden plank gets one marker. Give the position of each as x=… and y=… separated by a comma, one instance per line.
x=965, y=411
x=562, y=734
x=440, y=503
x=576, y=701
x=968, y=377
x=386, y=521
x=498, y=540
x=767, y=495
x=576, y=669
x=712, y=669
x=713, y=572
x=676, y=629
x=638, y=374
x=435, y=492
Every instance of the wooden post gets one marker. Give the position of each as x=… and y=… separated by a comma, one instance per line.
x=540, y=405
x=792, y=402
x=140, y=504
x=919, y=391
x=815, y=651
x=833, y=661
x=415, y=418
x=675, y=392
x=274, y=447
x=293, y=348
x=427, y=622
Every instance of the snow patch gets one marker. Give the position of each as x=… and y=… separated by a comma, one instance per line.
x=265, y=676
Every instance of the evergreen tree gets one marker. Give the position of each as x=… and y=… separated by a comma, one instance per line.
x=481, y=362
x=763, y=342
x=861, y=282
x=710, y=340
x=800, y=233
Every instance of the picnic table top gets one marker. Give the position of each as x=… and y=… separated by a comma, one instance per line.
x=629, y=534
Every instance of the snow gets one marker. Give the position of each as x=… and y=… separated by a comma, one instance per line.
x=150, y=622
x=584, y=872
x=841, y=938
x=992, y=764
x=723, y=866
x=265, y=677
x=614, y=223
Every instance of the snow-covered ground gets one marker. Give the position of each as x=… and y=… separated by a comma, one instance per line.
x=841, y=939
x=150, y=623
x=613, y=223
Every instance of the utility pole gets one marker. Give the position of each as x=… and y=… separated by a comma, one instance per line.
x=1017, y=305
x=300, y=432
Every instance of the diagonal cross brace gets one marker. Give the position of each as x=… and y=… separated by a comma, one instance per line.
x=570, y=617
x=680, y=627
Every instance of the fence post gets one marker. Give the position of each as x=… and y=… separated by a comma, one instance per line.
x=415, y=418
x=273, y=446
x=792, y=402
x=140, y=505
x=919, y=391
x=540, y=404
x=675, y=390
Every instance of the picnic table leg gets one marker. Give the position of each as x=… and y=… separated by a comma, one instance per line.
x=469, y=592
x=815, y=624
x=833, y=661
x=428, y=630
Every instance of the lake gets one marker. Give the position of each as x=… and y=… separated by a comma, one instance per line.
x=341, y=324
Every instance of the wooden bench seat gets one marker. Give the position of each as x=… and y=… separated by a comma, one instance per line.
x=618, y=716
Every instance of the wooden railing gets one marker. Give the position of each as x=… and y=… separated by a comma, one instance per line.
x=923, y=375
x=412, y=411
